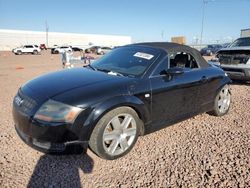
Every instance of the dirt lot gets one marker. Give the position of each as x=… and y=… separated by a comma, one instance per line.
x=204, y=151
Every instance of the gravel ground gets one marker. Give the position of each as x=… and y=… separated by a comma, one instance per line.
x=204, y=151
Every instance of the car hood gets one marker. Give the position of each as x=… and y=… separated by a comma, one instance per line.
x=52, y=84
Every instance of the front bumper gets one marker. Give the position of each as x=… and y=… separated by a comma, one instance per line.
x=44, y=136
x=49, y=147
x=237, y=72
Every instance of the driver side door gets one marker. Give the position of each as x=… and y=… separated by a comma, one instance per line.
x=173, y=96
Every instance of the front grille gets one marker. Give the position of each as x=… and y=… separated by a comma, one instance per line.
x=234, y=59
x=225, y=60
x=27, y=104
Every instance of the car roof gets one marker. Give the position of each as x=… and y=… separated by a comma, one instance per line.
x=170, y=47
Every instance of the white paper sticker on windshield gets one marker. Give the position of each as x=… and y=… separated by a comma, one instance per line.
x=143, y=55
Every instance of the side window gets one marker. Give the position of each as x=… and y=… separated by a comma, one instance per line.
x=182, y=60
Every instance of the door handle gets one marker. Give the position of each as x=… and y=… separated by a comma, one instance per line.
x=204, y=79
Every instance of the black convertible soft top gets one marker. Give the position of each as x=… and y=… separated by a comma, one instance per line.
x=170, y=47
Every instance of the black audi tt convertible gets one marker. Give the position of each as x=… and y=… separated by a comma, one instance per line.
x=131, y=91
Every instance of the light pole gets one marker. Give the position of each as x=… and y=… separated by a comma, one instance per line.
x=202, y=22
x=204, y=2
x=47, y=34
x=162, y=35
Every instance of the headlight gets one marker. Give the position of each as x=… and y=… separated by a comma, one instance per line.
x=53, y=111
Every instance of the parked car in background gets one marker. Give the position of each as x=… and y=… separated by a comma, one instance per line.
x=92, y=49
x=61, y=49
x=33, y=49
x=53, y=48
x=131, y=91
x=210, y=49
x=76, y=49
x=99, y=50
x=43, y=47
x=103, y=50
x=235, y=59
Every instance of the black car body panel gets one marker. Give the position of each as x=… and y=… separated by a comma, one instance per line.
x=159, y=99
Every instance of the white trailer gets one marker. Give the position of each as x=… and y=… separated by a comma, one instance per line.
x=10, y=39
x=245, y=33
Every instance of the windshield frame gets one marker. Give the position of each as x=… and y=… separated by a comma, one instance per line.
x=233, y=45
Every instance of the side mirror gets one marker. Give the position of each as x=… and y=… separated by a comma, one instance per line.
x=174, y=71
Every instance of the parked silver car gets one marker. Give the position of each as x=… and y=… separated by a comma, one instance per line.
x=235, y=59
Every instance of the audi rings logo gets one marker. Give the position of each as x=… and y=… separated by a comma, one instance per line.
x=18, y=101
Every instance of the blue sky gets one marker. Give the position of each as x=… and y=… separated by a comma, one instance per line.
x=144, y=20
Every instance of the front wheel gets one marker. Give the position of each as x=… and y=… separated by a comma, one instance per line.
x=222, y=102
x=19, y=52
x=116, y=133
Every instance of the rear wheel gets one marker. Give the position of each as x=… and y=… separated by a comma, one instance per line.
x=116, y=133
x=35, y=52
x=222, y=102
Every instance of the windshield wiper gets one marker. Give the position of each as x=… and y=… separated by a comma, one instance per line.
x=110, y=72
x=115, y=73
x=103, y=70
x=92, y=67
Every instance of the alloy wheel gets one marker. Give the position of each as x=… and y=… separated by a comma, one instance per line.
x=119, y=134
x=224, y=99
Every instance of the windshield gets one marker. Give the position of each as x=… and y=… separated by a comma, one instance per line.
x=127, y=60
x=241, y=42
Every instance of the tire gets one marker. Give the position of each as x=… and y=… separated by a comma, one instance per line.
x=35, y=52
x=19, y=52
x=109, y=139
x=56, y=52
x=222, y=102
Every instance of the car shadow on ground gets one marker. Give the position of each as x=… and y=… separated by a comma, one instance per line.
x=61, y=170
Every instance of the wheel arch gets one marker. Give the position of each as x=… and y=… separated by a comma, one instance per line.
x=226, y=80
x=100, y=109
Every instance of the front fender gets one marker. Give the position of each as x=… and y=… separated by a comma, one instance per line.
x=100, y=109
x=224, y=81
